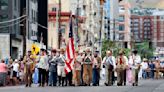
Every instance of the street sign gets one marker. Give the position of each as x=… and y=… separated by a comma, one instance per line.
x=35, y=49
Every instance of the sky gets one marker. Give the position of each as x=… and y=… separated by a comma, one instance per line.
x=107, y=7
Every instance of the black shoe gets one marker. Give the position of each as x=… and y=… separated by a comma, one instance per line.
x=39, y=85
x=26, y=85
x=105, y=84
x=94, y=85
x=133, y=84
x=124, y=84
x=118, y=84
x=136, y=84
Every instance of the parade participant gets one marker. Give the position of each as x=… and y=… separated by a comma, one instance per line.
x=109, y=65
x=42, y=67
x=134, y=64
x=53, y=68
x=60, y=67
x=3, y=73
x=96, y=69
x=29, y=66
x=157, y=69
x=87, y=68
x=47, y=70
x=120, y=67
x=125, y=71
x=77, y=66
x=16, y=68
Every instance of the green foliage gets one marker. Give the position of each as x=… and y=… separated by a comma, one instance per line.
x=110, y=45
x=144, y=49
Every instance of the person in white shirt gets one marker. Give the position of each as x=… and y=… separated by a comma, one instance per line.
x=144, y=67
x=109, y=65
x=15, y=72
x=42, y=67
x=134, y=64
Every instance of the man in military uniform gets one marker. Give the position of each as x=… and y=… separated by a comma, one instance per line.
x=120, y=67
x=29, y=66
x=61, y=66
x=87, y=68
x=109, y=64
x=77, y=67
x=96, y=69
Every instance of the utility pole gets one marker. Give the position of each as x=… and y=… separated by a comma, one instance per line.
x=24, y=33
x=59, y=26
x=101, y=21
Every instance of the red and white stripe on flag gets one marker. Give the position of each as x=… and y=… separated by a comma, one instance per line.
x=70, y=52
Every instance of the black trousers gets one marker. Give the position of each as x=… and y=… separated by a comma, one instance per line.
x=69, y=78
x=124, y=81
x=47, y=77
x=42, y=76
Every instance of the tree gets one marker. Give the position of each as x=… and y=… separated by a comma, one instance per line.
x=110, y=45
x=144, y=49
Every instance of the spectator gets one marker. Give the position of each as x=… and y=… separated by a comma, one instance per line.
x=152, y=67
x=144, y=67
x=157, y=69
x=16, y=72
x=3, y=73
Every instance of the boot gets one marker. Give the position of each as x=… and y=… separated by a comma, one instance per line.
x=63, y=79
x=59, y=80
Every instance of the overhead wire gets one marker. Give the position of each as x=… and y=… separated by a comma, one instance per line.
x=12, y=20
x=12, y=24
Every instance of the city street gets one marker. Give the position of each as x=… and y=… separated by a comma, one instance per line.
x=144, y=86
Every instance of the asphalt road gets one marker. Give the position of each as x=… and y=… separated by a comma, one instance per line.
x=144, y=86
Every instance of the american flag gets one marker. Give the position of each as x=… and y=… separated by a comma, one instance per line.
x=70, y=50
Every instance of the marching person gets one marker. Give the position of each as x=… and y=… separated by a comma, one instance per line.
x=109, y=65
x=78, y=61
x=87, y=68
x=96, y=69
x=125, y=71
x=60, y=67
x=53, y=68
x=121, y=64
x=29, y=67
x=134, y=63
x=42, y=67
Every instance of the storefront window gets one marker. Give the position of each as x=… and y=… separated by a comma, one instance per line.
x=3, y=4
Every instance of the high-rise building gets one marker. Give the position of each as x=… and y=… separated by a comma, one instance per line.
x=10, y=11
x=114, y=19
x=124, y=24
x=148, y=26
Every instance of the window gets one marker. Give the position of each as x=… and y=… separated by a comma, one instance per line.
x=3, y=17
x=15, y=4
x=3, y=4
x=54, y=9
x=121, y=18
x=121, y=36
x=121, y=27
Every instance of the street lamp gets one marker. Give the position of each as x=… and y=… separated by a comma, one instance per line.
x=101, y=20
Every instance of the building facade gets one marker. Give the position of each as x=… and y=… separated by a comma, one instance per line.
x=124, y=24
x=10, y=11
